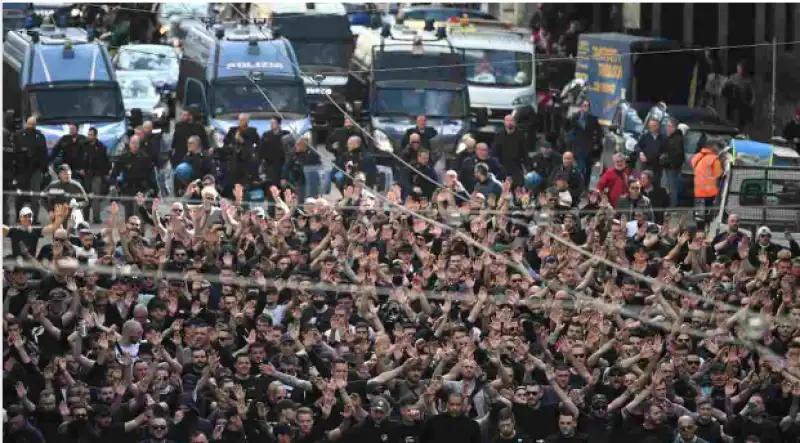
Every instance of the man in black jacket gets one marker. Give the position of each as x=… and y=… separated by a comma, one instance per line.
x=69, y=150
x=271, y=152
x=190, y=124
x=134, y=171
x=237, y=155
x=584, y=134
x=64, y=189
x=30, y=167
x=657, y=195
x=426, y=133
x=452, y=425
x=545, y=162
x=199, y=161
x=675, y=159
x=511, y=148
x=650, y=147
x=98, y=168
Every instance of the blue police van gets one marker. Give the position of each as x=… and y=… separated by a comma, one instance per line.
x=224, y=69
x=61, y=76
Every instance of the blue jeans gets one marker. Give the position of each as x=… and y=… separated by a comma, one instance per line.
x=675, y=187
x=582, y=162
x=334, y=175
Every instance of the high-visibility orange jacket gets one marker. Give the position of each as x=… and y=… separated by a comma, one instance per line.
x=707, y=171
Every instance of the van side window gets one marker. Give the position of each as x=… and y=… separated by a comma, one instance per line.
x=194, y=94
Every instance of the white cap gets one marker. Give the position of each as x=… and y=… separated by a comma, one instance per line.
x=25, y=211
x=763, y=231
x=451, y=173
x=259, y=211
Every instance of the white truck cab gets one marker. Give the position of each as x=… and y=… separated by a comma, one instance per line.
x=501, y=67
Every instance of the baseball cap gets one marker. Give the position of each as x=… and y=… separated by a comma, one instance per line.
x=379, y=404
x=64, y=168
x=763, y=231
x=25, y=211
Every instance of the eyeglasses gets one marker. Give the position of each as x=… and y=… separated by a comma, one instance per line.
x=692, y=362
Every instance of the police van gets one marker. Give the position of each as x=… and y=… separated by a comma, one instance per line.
x=324, y=44
x=224, y=70
x=404, y=73
x=501, y=70
x=62, y=75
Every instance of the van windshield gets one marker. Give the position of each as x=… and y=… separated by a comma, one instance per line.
x=490, y=67
x=430, y=102
x=323, y=54
x=96, y=103
x=244, y=96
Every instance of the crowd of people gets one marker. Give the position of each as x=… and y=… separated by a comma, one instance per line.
x=489, y=307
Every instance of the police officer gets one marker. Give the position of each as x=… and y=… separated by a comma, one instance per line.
x=69, y=150
x=97, y=169
x=64, y=189
x=153, y=144
x=30, y=165
x=134, y=173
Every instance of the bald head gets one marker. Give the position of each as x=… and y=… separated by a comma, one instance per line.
x=353, y=143
x=31, y=122
x=147, y=127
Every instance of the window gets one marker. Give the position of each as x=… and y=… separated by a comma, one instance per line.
x=430, y=102
x=236, y=97
x=499, y=68
x=324, y=54
x=194, y=94
x=87, y=103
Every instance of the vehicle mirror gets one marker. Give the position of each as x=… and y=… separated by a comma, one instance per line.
x=481, y=117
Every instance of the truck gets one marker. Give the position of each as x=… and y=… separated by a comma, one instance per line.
x=762, y=186
x=324, y=45
x=619, y=67
x=225, y=68
x=501, y=70
x=62, y=76
x=403, y=73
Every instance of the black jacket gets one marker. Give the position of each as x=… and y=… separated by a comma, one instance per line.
x=201, y=164
x=369, y=431
x=70, y=151
x=153, y=144
x=271, y=152
x=545, y=164
x=652, y=147
x=424, y=137
x=239, y=158
x=511, y=149
x=674, y=151
x=293, y=168
x=337, y=142
x=97, y=159
x=658, y=199
x=584, y=138
x=184, y=130
x=446, y=428
x=138, y=170
x=31, y=152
